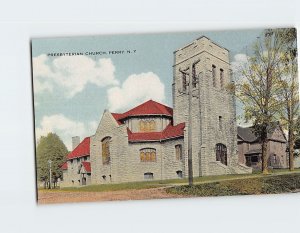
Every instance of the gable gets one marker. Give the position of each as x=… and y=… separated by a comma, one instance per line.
x=107, y=123
x=278, y=135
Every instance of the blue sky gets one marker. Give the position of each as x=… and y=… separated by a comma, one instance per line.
x=71, y=92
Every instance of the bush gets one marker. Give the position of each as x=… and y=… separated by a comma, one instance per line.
x=246, y=186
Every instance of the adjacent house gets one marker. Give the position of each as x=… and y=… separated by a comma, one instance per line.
x=77, y=168
x=249, y=147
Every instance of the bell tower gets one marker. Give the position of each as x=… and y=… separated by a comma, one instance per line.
x=201, y=73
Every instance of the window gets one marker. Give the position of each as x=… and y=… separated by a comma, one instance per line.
x=178, y=151
x=254, y=159
x=214, y=75
x=194, y=76
x=105, y=150
x=274, y=159
x=104, y=177
x=179, y=174
x=183, y=81
x=147, y=126
x=148, y=155
x=141, y=126
x=78, y=160
x=221, y=153
x=148, y=176
x=222, y=78
x=152, y=125
x=220, y=122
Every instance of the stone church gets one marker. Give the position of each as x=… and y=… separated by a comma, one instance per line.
x=151, y=141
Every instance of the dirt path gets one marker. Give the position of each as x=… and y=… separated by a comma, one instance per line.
x=50, y=197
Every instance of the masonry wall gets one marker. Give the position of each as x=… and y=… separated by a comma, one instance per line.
x=209, y=102
x=116, y=170
x=243, y=147
x=71, y=177
x=278, y=149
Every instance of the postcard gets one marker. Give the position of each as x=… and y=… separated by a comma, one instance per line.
x=166, y=115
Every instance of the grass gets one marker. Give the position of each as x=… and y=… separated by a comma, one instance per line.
x=259, y=184
x=243, y=179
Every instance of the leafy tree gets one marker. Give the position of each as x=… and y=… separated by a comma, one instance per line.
x=51, y=148
x=289, y=93
x=258, y=87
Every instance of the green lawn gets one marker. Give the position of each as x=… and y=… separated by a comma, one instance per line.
x=173, y=182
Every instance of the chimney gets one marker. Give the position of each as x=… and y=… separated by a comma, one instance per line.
x=75, y=142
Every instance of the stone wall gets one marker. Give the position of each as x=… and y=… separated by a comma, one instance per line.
x=213, y=107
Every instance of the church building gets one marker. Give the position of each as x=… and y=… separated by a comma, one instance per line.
x=151, y=141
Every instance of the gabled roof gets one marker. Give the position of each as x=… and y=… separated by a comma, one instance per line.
x=168, y=133
x=87, y=166
x=248, y=134
x=64, y=166
x=148, y=108
x=83, y=149
x=118, y=117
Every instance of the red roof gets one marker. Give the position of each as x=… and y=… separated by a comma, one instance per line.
x=87, y=166
x=150, y=107
x=83, y=149
x=64, y=166
x=168, y=133
x=117, y=117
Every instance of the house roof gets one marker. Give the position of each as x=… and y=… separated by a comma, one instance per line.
x=64, y=166
x=254, y=151
x=168, y=133
x=87, y=166
x=248, y=134
x=149, y=108
x=83, y=149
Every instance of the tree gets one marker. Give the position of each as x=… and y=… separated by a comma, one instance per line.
x=258, y=87
x=50, y=147
x=289, y=93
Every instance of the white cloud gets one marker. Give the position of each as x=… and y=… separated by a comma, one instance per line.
x=65, y=128
x=239, y=62
x=135, y=89
x=71, y=73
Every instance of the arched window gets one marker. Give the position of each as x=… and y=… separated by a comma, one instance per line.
x=213, y=71
x=106, y=150
x=148, y=176
x=221, y=153
x=178, y=151
x=194, y=78
x=148, y=155
x=152, y=126
x=184, y=82
x=179, y=174
x=141, y=126
x=146, y=126
x=221, y=78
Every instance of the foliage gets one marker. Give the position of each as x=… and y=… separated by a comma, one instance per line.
x=51, y=148
x=289, y=96
x=267, y=84
x=257, y=185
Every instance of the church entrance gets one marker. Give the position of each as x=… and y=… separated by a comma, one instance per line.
x=221, y=153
